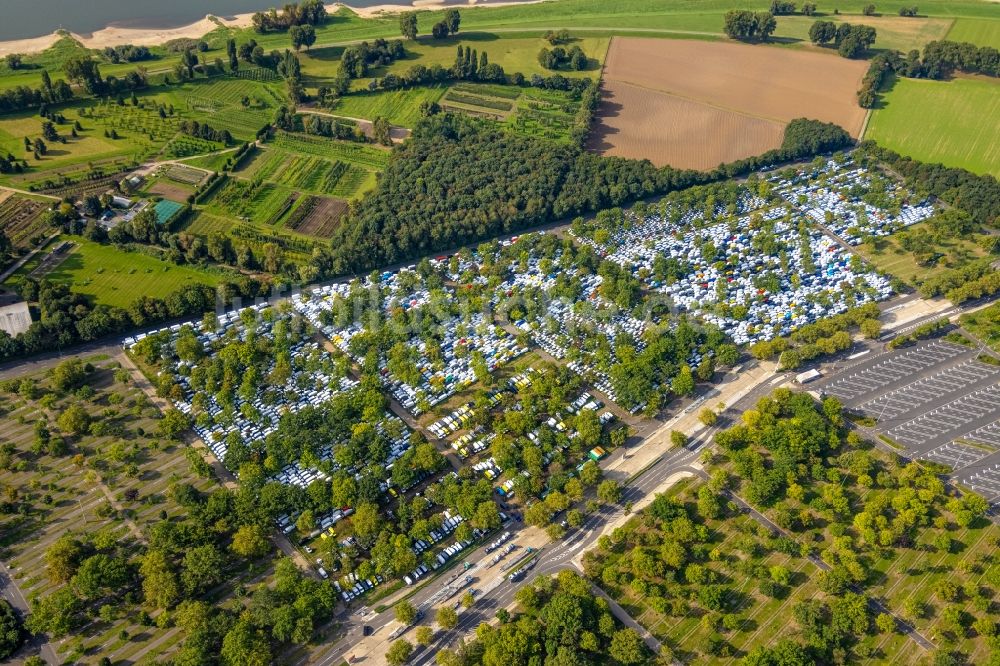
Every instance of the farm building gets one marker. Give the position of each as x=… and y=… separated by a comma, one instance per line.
x=15, y=318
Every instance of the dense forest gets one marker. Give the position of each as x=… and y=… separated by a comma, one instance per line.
x=459, y=180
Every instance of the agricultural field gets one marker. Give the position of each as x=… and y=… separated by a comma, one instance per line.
x=240, y=105
x=951, y=122
x=301, y=171
x=115, y=133
x=316, y=216
x=212, y=162
x=108, y=487
x=316, y=164
x=547, y=114
x=477, y=104
x=116, y=277
x=399, y=107
x=174, y=181
x=90, y=146
x=694, y=88
x=215, y=219
x=21, y=221
x=982, y=32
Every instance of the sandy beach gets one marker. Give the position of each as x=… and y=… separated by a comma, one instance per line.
x=113, y=36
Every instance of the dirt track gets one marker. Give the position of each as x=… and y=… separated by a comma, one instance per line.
x=695, y=104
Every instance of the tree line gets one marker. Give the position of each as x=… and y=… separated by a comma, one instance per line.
x=940, y=60
x=127, y=53
x=560, y=58
x=448, y=25
x=749, y=26
x=977, y=195
x=205, y=131
x=307, y=12
x=498, y=182
x=64, y=318
x=850, y=40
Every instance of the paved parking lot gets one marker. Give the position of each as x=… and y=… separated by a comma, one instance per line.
x=956, y=455
x=953, y=380
x=988, y=435
x=985, y=481
x=951, y=420
x=939, y=402
x=871, y=380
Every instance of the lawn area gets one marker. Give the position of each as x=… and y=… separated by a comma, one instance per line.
x=127, y=466
x=89, y=146
x=892, y=32
x=117, y=277
x=942, y=121
x=985, y=325
x=514, y=54
x=214, y=162
x=982, y=32
x=888, y=256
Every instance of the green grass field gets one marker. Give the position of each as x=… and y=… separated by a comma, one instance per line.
x=979, y=31
x=887, y=255
x=892, y=32
x=400, y=107
x=952, y=122
x=214, y=162
x=513, y=53
x=985, y=324
x=116, y=277
x=68, y=498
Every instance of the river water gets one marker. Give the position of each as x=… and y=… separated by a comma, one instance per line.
x=33, y=18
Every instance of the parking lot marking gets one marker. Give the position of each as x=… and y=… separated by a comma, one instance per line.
x=956, y=455
x=908, y=398
x=950, y=417
x=892, y=369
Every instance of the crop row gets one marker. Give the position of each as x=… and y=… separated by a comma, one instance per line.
x=355, y=153
x=504, y=92
x=476, y=100
x=262, y=74
x=300, y=214
x=185, y=175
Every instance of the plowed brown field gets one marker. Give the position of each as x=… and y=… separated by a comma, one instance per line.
x=696, y=104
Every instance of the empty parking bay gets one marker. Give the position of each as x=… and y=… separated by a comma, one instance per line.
x=910, y=397
x=956, y=455
x=896, y=368
x=949, y=419
x=985, y=482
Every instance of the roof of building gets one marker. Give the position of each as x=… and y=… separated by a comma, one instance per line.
x=15, y=318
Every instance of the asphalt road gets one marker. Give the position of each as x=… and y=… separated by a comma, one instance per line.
x=35, y=644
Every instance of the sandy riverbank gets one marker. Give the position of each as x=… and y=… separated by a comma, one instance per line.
x=114, y=36
x=377, y=10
